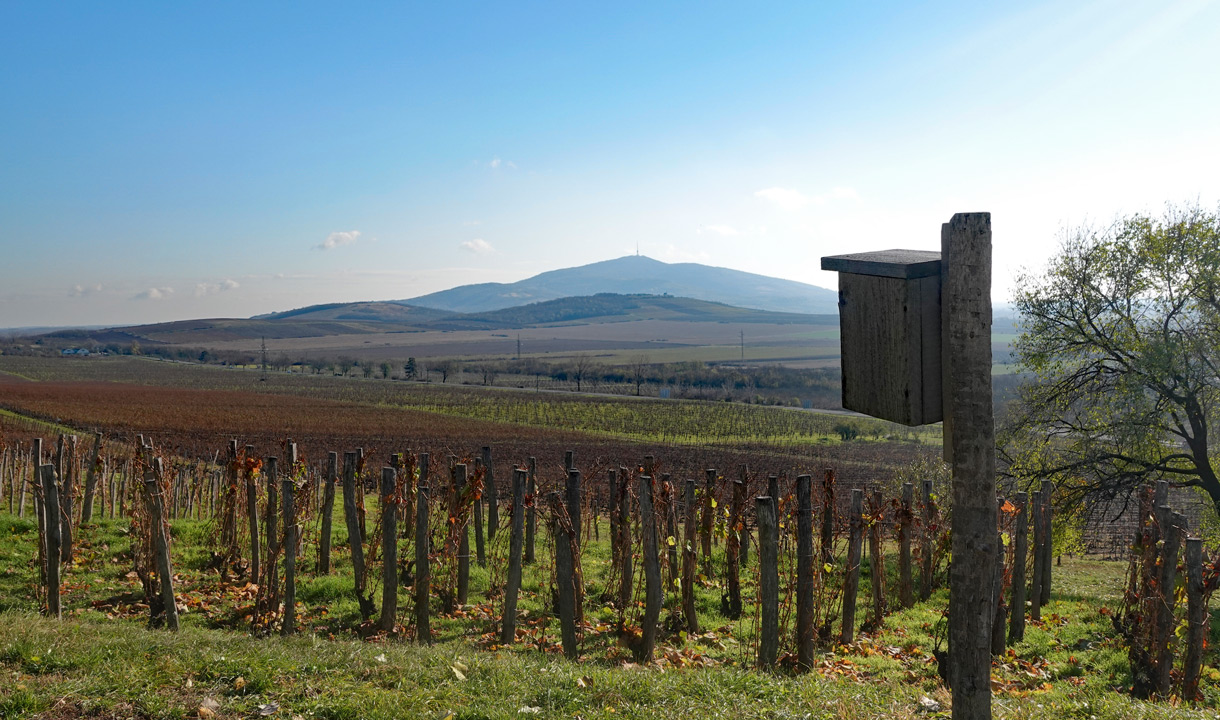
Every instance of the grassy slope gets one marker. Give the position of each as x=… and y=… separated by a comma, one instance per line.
x=112, y=666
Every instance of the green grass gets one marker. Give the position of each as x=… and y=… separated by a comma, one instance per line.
x=102, y=661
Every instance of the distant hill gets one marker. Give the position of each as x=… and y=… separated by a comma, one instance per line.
x=318, y=321
x=611, y=307
x=639, y=275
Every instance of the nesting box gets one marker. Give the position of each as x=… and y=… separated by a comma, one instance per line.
x=889, y=327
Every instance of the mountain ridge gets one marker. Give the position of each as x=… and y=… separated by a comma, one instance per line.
x=638, y=275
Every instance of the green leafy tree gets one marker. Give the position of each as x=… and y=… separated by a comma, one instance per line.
x=1121, y=338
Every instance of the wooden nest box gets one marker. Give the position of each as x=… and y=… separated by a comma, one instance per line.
x=889, y=328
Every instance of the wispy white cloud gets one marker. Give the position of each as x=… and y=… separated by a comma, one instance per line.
x=725, y=230
x=478, y=246
x=791, y=199
x=337, y=239
x=496, y=163
x=204, y=288
x=154, y=293
x=84, y=290
x=471, y=223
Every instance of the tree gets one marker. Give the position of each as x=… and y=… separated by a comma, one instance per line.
x=385, y=369
x=409, y=370
x=639, y=371
x=582, y=365
x=1122, y=337
x=445, y=368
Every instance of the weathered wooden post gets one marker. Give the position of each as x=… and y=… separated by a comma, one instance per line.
x=689, y=558
x=999, y=621
x=531, y=510
x=652, y=574
x=1016, y=624
x=708, y=519
x=271, y=523
x=565, y=576
x=252, y=517
x=625, y=587
x=573, y=500
x=389, y=549
x=828, y=517
x=491, y=493
x=1196, y=619
x=926, y=538
x=1035, y=583
x=1048, y=549
x=804, y=571
x=671, y=530
x=876, y=579
x=52, y=530
x=288, y=490
x=67, y=479
x=463, y=559
x=851, y=577
x=612, y=489
x=423, y=573
x=732, y=602
x=768, y=580
x=86, y=512
x=157, y=519
x=906, y=590
x=508, y=627
x=1163, y=649
x=328, y=507
x=480, y=552
x=351, y=518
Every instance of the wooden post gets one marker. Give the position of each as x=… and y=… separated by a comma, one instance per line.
x=768, y=580
x=271, y=526
x=66, y=480
x=625, y=587
x=851, y=578
x=999, y=621
x=970, y=431
x=508, y=627
x=612, y=485
x=480, y=551
x=463, y=578
x=652, y=574
x=1020, y=552
x=671, y=531
x=1162, y=652
x=732, y=602
x=328, y=508
x=828, y=517
x=52, y=530
x=86, y=512
x=491, y=493
x=290, y=547
x=531, y=492
x=876, y=580
x=157, y=519
x=423, y=573
x=389, y=550
x=906, y=589
x=1196, y=619
x=565, y=576
x=252, y=520
x=707, y=520
x=352, y=520
x=804, y=571
x=1048, y=510
x=689, y=558
x=1035, y=589
x=926, y=538
x=573, y=500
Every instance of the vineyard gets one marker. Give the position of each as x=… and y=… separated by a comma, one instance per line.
x=404, y=554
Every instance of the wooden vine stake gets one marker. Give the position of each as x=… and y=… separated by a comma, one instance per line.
x=1035, y=588
x=707, y=519
x=352, y=519
x=804, y=571
x=906, y=590
x=1196, y=619
x=86, y=511
x=689, y=558
x=652, y=574
x=565, y=575
x=328, y=507
x=157, y=522
x=1016, y=623
x=531, y=521
x=851, y=576
x=926, y=538
x=423, y=573
x=288, y=490
x=389, y=549
x=877, y=569
x=508, y=627
x=768, y=580
x=731, y=603
x=252, y=518
x=626, y=571
x=480, y=551
x=463, y=558
x=51, y=529
x=492, y=495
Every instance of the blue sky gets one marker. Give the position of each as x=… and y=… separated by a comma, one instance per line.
x=171, y=160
